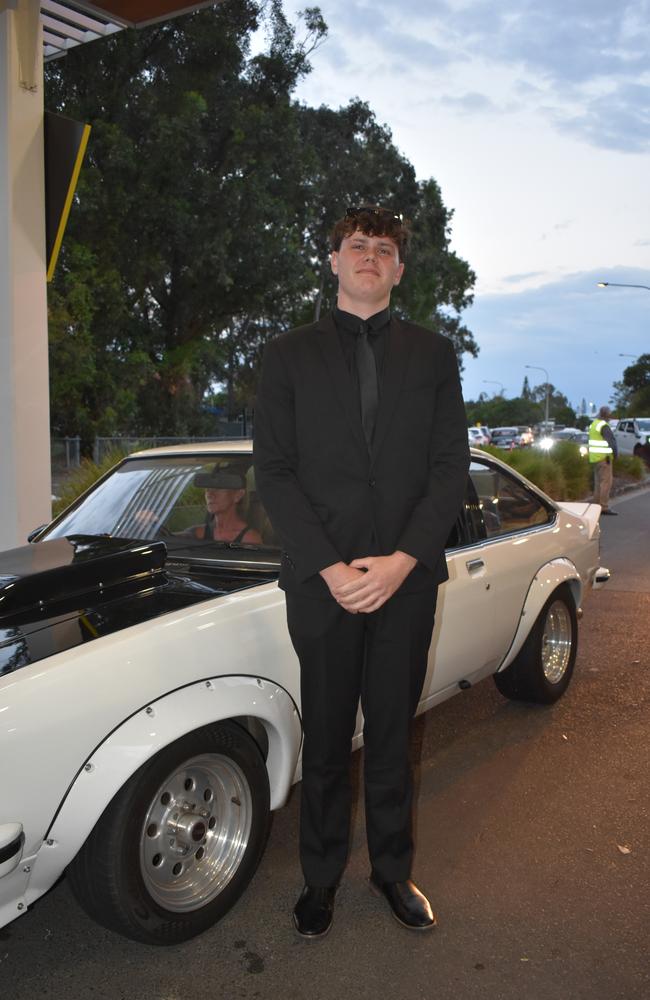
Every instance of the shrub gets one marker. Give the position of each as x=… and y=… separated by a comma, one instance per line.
x=538, y=466
x=575, y=469
x=629, y=467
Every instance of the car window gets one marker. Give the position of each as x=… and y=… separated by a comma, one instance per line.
x=507, y=505
x=468, y=529
x=182, y=499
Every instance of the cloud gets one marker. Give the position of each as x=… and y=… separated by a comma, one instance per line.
x=401, y=51
x=517, y=278
x=618, y=120
x=469, y=103
x=581, y=64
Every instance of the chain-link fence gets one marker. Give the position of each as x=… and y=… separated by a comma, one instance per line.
x=65, y=453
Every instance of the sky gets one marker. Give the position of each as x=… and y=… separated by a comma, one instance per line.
x=534, y=118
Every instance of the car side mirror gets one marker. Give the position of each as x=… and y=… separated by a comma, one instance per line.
x=36, y=531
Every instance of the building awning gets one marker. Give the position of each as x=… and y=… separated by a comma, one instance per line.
x=67, y=24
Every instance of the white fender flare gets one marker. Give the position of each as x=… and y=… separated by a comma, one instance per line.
x=148, y=731
x=547, y=579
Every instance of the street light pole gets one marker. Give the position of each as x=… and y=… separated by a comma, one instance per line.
x=492, y=381
x=540, y=369
x=616, y=284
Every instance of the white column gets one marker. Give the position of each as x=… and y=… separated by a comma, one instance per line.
x=25, y=480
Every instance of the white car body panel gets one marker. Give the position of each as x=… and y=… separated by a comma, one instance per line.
x=84, y=720
x=628, y=434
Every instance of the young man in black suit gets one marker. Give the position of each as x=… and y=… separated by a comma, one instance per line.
x=361, y=461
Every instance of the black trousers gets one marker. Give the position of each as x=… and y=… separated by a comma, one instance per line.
x=380, y=658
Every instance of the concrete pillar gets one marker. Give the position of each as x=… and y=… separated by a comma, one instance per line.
x=25, y=478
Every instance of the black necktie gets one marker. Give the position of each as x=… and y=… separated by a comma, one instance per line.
x=368, y=382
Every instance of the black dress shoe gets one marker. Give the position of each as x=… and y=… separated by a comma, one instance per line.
x=612, y=513
x=408, y=905
x=313, y=912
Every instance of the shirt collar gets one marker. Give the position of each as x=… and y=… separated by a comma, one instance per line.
x=351, y=323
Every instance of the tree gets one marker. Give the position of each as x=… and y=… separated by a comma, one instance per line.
x=500, y=412
x=202, y=213
x=525, y=389
x=559, y=408
x=631, y=395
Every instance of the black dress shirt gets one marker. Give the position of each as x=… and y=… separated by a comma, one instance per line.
x=347, y=325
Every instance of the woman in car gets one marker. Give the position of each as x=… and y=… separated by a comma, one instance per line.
x=224, y=491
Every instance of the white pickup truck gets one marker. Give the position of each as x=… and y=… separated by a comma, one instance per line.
x=633, y=436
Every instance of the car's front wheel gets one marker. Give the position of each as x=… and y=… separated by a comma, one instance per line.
x=178, y=844
x=543, y=667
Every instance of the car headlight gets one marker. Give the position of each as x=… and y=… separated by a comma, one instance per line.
x=584, y=451
x=546, y=443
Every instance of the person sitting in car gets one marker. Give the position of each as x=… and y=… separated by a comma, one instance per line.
x=225, y=490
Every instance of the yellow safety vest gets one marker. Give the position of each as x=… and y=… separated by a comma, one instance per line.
x=599, y=449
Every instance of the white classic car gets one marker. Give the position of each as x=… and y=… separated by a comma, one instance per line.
x=149, y=695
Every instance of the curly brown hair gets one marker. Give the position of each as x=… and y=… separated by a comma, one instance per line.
x=373, y=220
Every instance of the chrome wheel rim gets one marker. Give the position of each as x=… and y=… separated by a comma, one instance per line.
x=195, y=832
x=557, y=642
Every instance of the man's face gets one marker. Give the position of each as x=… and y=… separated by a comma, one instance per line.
x=368, y=268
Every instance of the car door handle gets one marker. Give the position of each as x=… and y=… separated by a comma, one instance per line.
x=474, y=565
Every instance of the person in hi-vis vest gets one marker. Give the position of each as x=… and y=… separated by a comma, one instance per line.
x=602, y=452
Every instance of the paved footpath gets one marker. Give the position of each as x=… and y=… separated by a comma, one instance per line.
x=533, y=833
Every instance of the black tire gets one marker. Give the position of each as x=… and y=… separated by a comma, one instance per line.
x=543, y=668
x=180, y=841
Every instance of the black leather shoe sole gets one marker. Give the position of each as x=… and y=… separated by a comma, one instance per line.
x=376, y=891
x=309, y=935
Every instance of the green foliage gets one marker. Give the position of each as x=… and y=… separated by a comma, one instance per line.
x=538, y=467
x=574, y=467
x=562, y=473
x=631, y=396
x=83, y=478
x=500, y=412
x=202, y=213
x=526, y=410
x=629, y=467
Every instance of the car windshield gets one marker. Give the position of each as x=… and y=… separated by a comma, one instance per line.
x=185, y=500
x=644, y=425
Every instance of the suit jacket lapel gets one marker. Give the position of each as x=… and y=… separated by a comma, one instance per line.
x=398, y=350
x=330, y=345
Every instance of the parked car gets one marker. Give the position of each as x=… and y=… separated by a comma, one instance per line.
x=476, y=437
x=632, y=436
x=149, y=692
x=506, y=437
x=572, y=434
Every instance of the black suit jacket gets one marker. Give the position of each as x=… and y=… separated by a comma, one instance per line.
x=327, y=497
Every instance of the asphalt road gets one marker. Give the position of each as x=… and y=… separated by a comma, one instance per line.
x=533, y=842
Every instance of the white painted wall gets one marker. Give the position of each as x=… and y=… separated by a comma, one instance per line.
x=25, y=483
